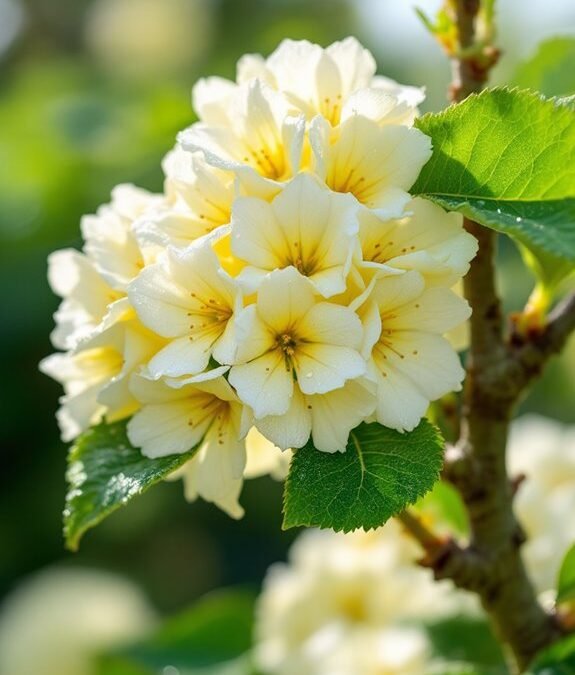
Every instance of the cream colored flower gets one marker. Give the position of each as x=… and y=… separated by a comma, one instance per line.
x=86, y=297
x=265, y=458
x=328, y=418
x=543, y=451
x=206, y=191
x=187, y=298
x=428, y=240
x=95, y=377
x=60, y=620
x=306, y=226
x=330, y=82
x=110, y=243
x=198, y=200
x=339, y=604
x=288, y=341
x=260, y=141
x=411, y=361
x=92, y=283
x=178, y=415
x=377, y=164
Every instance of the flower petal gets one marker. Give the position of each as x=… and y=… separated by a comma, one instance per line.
x=265, y=384
x=400, y=405
x=336, y=413
x=263, y=457
x=283, y=298
x=293, y=428
x=427, y=360
x=323, y=367
x=436, y=310
x=331, y=324
x=162, y=429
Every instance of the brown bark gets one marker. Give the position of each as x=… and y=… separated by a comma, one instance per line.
x=498, y=373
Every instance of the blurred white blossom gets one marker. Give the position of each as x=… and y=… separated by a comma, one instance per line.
x=58, y=621
x=143, y=38
x=343, y=604
x=543, y=451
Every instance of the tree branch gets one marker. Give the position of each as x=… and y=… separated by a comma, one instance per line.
x=497, y=374
x=529, y=355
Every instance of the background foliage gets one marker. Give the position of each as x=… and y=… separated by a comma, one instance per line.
x=73, y=123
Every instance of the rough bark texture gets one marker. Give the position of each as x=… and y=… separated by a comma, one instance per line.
x=498, y=372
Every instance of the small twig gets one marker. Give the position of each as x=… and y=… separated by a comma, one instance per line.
x=428, y=540
x=529, y=354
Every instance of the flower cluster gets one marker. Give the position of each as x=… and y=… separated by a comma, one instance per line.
x=284, y=286
x=351, y=603
x=355, y=603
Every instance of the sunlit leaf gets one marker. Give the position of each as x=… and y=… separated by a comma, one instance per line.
x=104, y=473
x=379, y=474
x=566, y=582
x=506, y=159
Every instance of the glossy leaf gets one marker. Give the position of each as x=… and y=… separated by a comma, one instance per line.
x=506, y=158
x=104, y=473
x=566, y=582
x=379, y=474
x=550, y=72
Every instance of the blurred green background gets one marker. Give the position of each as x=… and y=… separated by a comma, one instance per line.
x=92, y=93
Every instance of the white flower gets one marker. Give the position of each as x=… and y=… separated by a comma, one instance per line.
x=330, y=81
x=96, y=376
x=110, y=243
x=264, y=458
x=328, y=418
x=198, y=200
x=338, y=606
x=187, y=298
x=411, y=361
x=376, y=164
x=177, y=416
x=207, y=192
x=305, y=226
x=95, y=319
x=543, y=450
x=86, y=296
x=428, y=240
x=288, y=341
x=286, y=249
x=60, y=620
x=260, y=141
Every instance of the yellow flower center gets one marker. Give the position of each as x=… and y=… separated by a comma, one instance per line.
x=287, y=343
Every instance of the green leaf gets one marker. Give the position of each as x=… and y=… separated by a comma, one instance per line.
x=211, y=637
x=550, y=70
x=462, y=668
x=445, y=506
x=104, y=473
x=506, y=158
x=559, y=659
x=379, y=474
x=116, y=665
x=566, y=582
x=466, y=639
